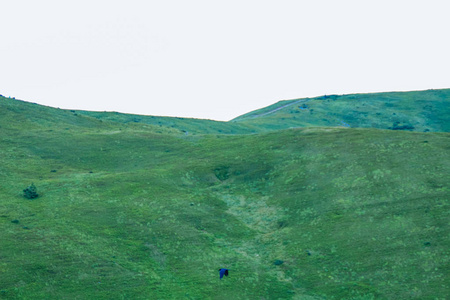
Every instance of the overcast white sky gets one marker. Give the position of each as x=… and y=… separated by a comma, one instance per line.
x=217, y=59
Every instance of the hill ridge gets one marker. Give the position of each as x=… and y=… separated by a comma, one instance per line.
x=427, y=110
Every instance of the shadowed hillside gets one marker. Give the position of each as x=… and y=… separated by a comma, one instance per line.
x=135, y=210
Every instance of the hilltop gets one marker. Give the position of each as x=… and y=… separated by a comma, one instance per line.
x=421, y=111
x=141, y=207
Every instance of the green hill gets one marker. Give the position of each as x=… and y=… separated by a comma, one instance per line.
x=414, y=111
x=421, y=111
x=133, y=209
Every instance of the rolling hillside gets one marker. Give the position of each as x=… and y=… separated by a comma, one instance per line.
x=421, y=111
x=136, y=209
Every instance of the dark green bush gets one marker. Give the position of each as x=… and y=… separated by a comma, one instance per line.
x=278, y=262
x=30, y=192
x=222, y=173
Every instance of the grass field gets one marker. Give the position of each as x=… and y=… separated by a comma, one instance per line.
x=421, y=111
x=133, y=209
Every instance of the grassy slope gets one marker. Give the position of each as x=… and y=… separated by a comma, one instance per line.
x=418, y=111
x=183, y=125
x=134, y=211
x=415, y=111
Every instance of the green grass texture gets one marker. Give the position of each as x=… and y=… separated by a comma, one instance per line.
x=413, y=111
x=141, y=207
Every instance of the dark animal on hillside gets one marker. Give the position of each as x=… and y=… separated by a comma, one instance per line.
x=223, y=272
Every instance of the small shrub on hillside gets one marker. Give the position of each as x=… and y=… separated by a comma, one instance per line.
x=30, y=192
x=278, y=262
x=398, y=126
x=222, y=173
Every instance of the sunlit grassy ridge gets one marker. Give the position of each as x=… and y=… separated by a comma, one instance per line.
x=130, y=210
